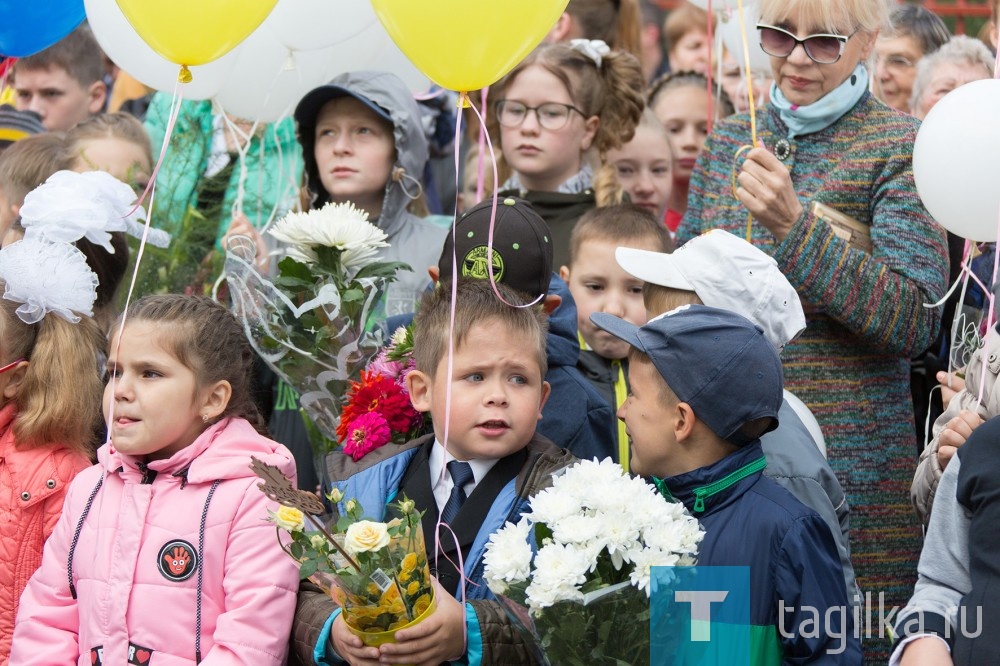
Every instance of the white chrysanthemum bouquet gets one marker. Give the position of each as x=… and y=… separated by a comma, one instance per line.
x=580, y=587
x=314, y=323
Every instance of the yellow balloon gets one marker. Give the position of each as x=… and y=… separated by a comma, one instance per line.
x=465, y=45
x=194, y=32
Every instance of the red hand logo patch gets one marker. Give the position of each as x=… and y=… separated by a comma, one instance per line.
x=177, y=560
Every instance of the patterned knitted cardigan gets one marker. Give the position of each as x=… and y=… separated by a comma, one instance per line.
x=865, y=312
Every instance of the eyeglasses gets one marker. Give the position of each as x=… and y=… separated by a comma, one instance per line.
x=551, y=115
x=823, y=49
x=895, y=63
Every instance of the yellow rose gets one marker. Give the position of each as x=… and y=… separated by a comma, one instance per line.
x=366, y=536
x=422, y=604
x=413, y=588
x=289, y=518
x=317, y=541
x=350, y=505
x=406, y=506
x=335, y=495
x=409, y=562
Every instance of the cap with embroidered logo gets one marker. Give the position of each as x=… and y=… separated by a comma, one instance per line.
x=522, y=247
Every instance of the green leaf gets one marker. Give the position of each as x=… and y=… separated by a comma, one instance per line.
x=307, y=569
x=296, y=549
x=382, y=269
x=352, y=296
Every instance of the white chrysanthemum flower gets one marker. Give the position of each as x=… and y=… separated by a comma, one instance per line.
x=560, y=570
x=508, y=556
x=342, y=226
x=643, y=561
x=579, y=529
x=47, y=277
x=550, y=506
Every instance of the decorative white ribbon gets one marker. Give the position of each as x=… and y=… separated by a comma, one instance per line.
x=595, y=49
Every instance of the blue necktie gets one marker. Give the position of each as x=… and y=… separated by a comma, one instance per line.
x=461, y=474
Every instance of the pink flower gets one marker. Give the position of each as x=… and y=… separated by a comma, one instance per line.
x=383, y=366
x=365, y=434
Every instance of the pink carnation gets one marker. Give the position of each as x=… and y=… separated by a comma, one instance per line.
x=365, y=434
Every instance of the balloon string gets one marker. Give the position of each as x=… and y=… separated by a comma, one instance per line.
x=708, y=70
x=175, y=107
x=753, y=108
x=481, y=158
x=990, y=319
x=493, y=219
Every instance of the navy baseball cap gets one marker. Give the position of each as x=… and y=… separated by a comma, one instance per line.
x=715, y=360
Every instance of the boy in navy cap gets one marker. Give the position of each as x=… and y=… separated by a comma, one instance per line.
x=705, y=385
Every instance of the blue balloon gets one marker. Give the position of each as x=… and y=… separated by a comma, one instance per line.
x=29, y=27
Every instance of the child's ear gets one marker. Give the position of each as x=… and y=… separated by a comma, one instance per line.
x=96, y=94
x=564, y=273
x=216, y=399
x=435, y=274
x=418, y=385
x=15, y=377
x=684, y=422
x=546, y=392
x=590, y=131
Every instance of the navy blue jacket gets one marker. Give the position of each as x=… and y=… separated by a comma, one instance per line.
x=750, y=520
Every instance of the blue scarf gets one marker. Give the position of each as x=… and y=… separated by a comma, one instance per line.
x=826, y=110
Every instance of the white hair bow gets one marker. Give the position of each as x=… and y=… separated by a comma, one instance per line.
x=595, y=49
x=47, y=277
x=70, y=206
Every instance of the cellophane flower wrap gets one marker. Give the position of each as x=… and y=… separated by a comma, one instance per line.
x=574, y=573
x=378, y=408
x=376, y=571
x=315, y=323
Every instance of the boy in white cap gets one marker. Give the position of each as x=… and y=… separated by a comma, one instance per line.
x=721, y=270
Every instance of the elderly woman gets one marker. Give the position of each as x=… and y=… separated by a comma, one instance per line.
x=824, y=139
x=962, y=60
x=914, y=32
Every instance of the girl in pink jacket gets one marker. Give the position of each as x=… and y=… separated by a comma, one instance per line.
x=50, y=397
x=163, y=555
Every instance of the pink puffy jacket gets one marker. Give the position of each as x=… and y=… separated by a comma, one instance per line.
x=33, y=483
x=165, y=564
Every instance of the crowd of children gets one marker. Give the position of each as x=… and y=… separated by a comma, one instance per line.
x=594, y=309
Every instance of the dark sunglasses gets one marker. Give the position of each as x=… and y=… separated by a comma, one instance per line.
x=823, y=48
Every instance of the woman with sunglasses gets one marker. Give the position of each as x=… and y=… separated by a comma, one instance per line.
x=825, y=139
x=554, y=116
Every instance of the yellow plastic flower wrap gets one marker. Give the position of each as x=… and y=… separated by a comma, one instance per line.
x=376, y=571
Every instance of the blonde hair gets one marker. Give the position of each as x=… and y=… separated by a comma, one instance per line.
x=29, y=162
x=59, y=399
x=659, y=299
x=617, y=22
x=108, y=126
x=475, y=305
x=843, y=15
x=612, y=92
x=607, y=188
x=622, y=224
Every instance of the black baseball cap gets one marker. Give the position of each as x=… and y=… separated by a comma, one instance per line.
x=522, y=246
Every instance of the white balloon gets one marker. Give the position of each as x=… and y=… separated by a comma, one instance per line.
x=374, y=49
x=268, y=80
x=732, y=37
x=956, y=161
x=132, y=54
x=315, y=24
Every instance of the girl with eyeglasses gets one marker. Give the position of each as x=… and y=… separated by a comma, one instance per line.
x=554, y=117
x=824, y=138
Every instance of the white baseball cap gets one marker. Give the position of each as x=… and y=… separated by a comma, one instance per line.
x=729, y=273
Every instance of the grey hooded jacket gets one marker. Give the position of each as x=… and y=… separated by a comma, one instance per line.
x=413, y=240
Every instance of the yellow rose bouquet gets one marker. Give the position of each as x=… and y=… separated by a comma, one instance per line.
x=377, y=572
